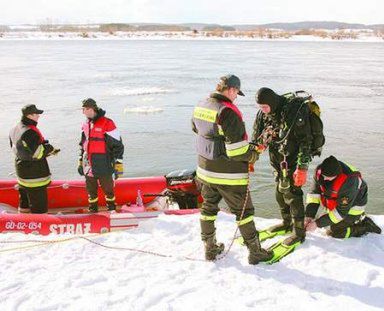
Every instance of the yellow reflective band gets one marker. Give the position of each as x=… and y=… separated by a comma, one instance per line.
x=352, y=168
x=34, y=184
x=222, y=175
x=93, y=200
x=205, y=114
x=234, y=146
x=110, y=199
x=208, y=218
x=40, y=151
x=333, y=217
x=25, y=145
x=313, y=198
x=223, y=181
x=221, y=132
x=355, y=212
x=348, y=234
x=244, y=221
x=237, y=151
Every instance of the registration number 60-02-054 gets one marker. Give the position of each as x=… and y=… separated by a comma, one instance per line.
x=21, y=225
x=79, y=228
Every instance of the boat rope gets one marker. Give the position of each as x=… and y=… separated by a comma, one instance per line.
x=89, y=240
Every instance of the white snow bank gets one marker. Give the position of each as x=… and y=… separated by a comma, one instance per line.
x=322, y=274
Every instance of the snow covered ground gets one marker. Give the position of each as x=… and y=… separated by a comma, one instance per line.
x=322, y=274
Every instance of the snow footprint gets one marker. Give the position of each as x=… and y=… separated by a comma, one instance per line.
x=371, y=277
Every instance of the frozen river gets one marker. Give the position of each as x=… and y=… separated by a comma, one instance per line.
x=150, y=88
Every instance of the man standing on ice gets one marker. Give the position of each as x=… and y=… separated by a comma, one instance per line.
x=32, y=170
x=101, y=154
x=340, y=188
x=284, y=126
x=224, y=155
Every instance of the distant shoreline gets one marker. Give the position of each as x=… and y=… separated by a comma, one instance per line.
x=70, y=36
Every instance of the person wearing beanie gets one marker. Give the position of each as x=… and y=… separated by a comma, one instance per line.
x=101, y=154
x=331, y=167
x=268, y=99
x=31, y=151
x=342, y=191
x=224, y=154
x=282, y=124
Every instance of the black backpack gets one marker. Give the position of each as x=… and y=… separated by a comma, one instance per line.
x=318, y=139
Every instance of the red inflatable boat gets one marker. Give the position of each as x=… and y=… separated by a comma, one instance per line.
x=67, y=202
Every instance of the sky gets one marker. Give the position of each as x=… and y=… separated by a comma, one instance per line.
x=190, y=11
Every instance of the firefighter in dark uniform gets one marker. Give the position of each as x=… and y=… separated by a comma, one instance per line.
x=342, y=191
x=101, y=154
x=223, y=158
x=284, y=127
x=32, y=170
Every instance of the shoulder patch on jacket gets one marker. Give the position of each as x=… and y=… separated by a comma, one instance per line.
x=344, y=201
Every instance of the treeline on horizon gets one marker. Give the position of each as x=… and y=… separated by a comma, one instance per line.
x=48, y=25
x=333, y=30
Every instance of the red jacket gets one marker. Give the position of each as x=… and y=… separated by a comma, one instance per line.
x=100, y=146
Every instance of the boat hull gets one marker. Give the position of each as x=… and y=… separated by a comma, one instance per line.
x=69, y=195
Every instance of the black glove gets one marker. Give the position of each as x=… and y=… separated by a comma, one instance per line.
x=55, y=151
x=48, y=148
x=80, y=169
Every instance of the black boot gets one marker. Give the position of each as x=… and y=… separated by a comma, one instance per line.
x=357, y=230
x=93, y=207
x=212, y=248
x=367, y=225
x=370, y=225
x=24, y=210
x=251, y=240
x=256, y=253
x=208, y=236
x=298, y=234
x=111, y=206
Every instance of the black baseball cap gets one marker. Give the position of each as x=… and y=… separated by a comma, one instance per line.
x=31, y=109
x=232, y=81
